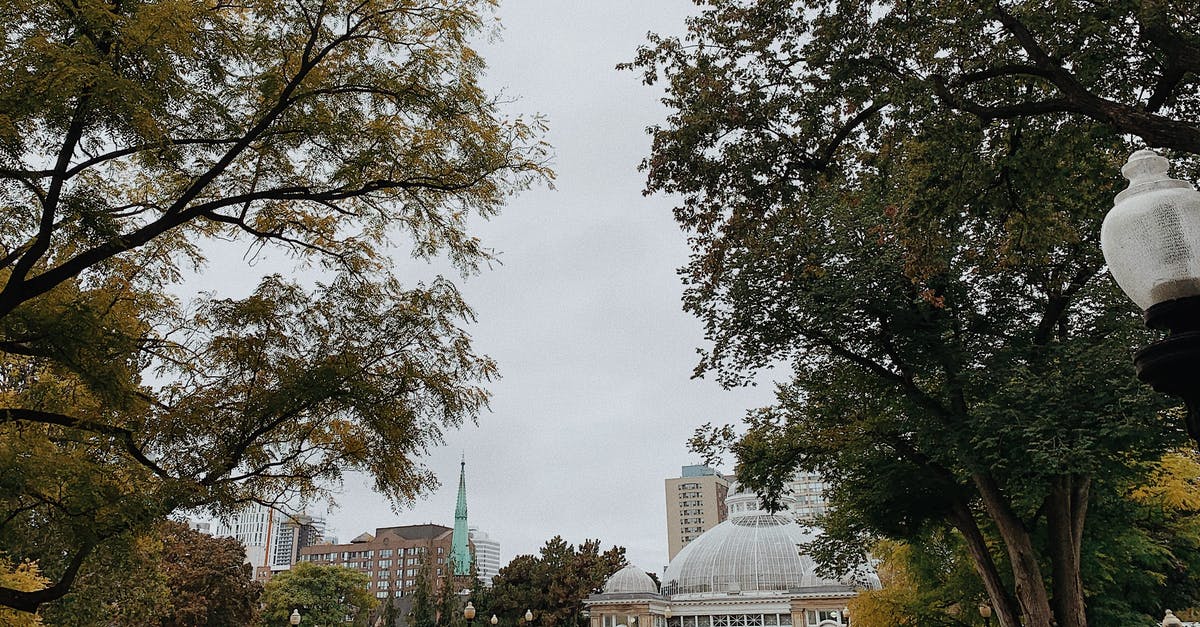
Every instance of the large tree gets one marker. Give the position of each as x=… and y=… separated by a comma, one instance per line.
x=928, y=267
x=132, y=134
x=324, y=595
x=169, y=576
x=551, y=584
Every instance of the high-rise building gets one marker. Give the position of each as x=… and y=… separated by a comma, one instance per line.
x=293, y=534
x=487, y=555
x=461, y=550
x=808, y=488
x=695, y=504
x=272, y=537
x=391, y=557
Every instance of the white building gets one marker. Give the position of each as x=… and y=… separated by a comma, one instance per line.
x=272, y=537
x=201, y=526
x=808, y=490
x=744, y=572
x=487, y=554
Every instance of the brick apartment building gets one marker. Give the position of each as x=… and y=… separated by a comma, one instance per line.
x=391, y=557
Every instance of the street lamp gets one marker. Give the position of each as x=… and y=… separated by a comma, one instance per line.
x=1170, y=620
x=469, y=614
x=494, y=620
x=985, y=611
x=1151, y=242
x=294, y=619
x=528, y=616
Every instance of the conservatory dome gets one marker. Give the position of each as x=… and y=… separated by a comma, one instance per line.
x=630, y=579
x=752, y=551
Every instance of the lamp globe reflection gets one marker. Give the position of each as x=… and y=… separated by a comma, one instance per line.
x=1151, y=243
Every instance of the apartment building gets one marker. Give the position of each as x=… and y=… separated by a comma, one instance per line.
x=391, y=557
x=695, y=504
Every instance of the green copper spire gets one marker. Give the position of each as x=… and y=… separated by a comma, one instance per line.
x=460, y=550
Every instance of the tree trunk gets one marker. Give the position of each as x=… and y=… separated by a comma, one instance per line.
x=1029, y=586
x=1008, y=614
x=1066, y=511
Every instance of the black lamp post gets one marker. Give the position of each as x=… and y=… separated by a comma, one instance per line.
x=294, y=619
x=1151, y=242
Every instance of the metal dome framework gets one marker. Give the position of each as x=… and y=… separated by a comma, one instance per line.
x=630, y=579
x=755, y=553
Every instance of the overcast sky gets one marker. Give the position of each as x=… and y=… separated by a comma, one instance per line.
x=596, y=403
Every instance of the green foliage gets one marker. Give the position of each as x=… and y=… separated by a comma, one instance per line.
x=133, y=134
x=930, y=582
x=170, y=576
x=552, y=584
x=210, y=584
x=449, y=606
x=424, y=610
x=907, y=214
x=23, y=576
x=325, y=595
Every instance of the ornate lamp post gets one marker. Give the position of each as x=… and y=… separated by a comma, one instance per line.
x=494, y=620
x=1151, y=242
x=469, y=614
x=528, y=616
x=294, y=619
x=1170, y=620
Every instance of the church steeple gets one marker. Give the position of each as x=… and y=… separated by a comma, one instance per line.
x=460, y=549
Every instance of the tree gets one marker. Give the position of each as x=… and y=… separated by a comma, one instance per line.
x=930, y=270
x=424, y=611
x=448, y=605
x=23, y=576
x=553, y=583
x=930, y=583
x=134, y=133
x=210, y=583
x=170, y=576
x=325, y=595
x=121, y=584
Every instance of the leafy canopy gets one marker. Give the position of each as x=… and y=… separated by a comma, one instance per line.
x=902, y=202
x=324, y=595
x=133, y=135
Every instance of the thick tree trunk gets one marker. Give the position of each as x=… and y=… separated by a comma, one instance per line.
x=1066, y=510
x=1029, y=585
x=1007, y=612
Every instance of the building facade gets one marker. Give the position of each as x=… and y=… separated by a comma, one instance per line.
x=272, y=537
x=392, y=557
x=808, y=490
x=695, y=504
x=292, y=534
x=487, y=555
x=744, y=572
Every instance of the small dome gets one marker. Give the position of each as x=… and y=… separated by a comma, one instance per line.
x=630, y=579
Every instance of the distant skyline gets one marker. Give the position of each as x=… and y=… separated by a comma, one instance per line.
x=595, y=404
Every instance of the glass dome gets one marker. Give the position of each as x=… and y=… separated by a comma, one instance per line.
x=752, y=553
x=630, y=579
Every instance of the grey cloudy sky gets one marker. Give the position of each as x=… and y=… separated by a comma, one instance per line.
x=596, y=402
